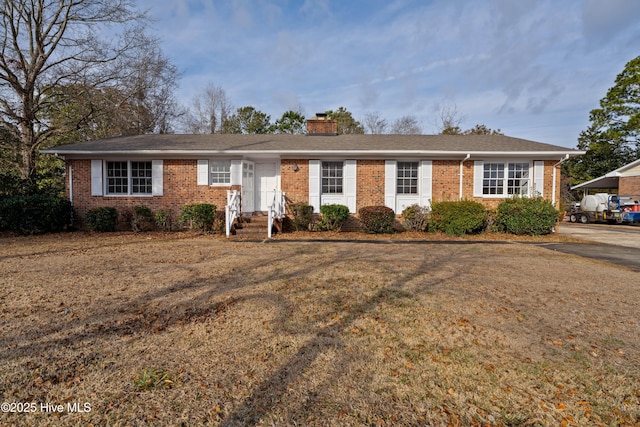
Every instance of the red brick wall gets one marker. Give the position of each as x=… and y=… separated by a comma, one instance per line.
x=180, y=185
x=180, y=188
x=629, y=185
x=369, y=183
x=322, y=126
x=445, y=184
x=295, y=184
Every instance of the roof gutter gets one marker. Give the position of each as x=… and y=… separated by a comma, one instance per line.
x=308, y=152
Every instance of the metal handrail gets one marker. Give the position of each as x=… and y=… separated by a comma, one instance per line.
x=232, y=210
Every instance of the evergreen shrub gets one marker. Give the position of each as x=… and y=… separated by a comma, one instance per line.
x=333, y=216
x=458, y=218
x=199, y=215
x=35, y=214
x=102, y=219
x=526, y=216
x=377, y=219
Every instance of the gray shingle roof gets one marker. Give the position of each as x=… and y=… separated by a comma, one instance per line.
x=291, y=144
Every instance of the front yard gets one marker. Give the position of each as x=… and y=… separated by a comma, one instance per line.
x=152, y=329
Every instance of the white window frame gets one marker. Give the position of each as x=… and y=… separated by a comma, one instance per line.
x=401, y=182
x=348, y=197
x=399, y=201
x=332, y=178
x=129, y=178
x=506, y=188
x=223, y=170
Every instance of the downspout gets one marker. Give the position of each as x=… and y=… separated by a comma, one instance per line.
x=71, y=183
x=461, y=174
x=555, y=167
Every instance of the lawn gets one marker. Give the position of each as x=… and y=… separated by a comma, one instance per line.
x=152, y=329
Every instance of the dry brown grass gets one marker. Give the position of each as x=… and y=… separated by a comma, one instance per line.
x=155, y=329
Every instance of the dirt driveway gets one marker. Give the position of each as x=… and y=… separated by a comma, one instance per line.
x=154, y=330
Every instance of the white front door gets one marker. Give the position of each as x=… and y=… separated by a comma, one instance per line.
x=247, y=187
x=266, y=184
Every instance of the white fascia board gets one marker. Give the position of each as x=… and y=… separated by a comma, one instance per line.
x=318, y=153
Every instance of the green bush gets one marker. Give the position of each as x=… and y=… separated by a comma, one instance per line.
x=377, y=219
x=521, y=215
x=163, y=219
x=333, y=216
x=142, y=219
x=35, y=214
x=302, y=216
x=458, y=218
x=415, y=218
x=199, y=215
x=102, y=219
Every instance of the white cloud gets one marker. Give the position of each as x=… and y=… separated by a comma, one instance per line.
x=523, y=65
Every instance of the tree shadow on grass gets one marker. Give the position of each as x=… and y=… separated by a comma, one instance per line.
x=267, y=395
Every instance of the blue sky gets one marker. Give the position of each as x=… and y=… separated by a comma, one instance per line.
x=533, y=68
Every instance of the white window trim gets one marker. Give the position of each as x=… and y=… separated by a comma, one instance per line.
x=204, y=175
x=425, y=183
x=478, y=177
x=348, y=197
x=100, y=180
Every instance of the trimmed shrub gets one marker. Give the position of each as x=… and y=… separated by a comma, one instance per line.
x=141, y=219
x=35, y=214
x=302, y=216
x=458, y=218
x=163, y=219
x=522, y=215
x=102, y=219
x=377, y=219
x=415, y=218
x=199, y=215
x=333, y=216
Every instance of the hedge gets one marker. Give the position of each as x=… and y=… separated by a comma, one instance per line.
x=526, y=216
x=35, y=214
x=458, y=218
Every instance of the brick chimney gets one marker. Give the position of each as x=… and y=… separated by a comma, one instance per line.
x=321, y=124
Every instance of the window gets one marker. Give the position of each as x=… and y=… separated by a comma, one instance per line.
x=220, y=173
x=518, y=181
x=493, y=182
x=501, y=179
x=124, y=178
x=332, y=177
x=117, y=178
x=141, y=178
x=407, y=178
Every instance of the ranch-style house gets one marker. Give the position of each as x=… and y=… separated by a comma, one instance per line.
x=256, y=172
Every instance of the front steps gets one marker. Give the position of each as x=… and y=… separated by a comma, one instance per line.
x=254, y=227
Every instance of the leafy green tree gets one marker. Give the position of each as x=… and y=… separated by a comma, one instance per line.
x=346, y=123
x=247, y=120
x=612, y=139
x=291, y=122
